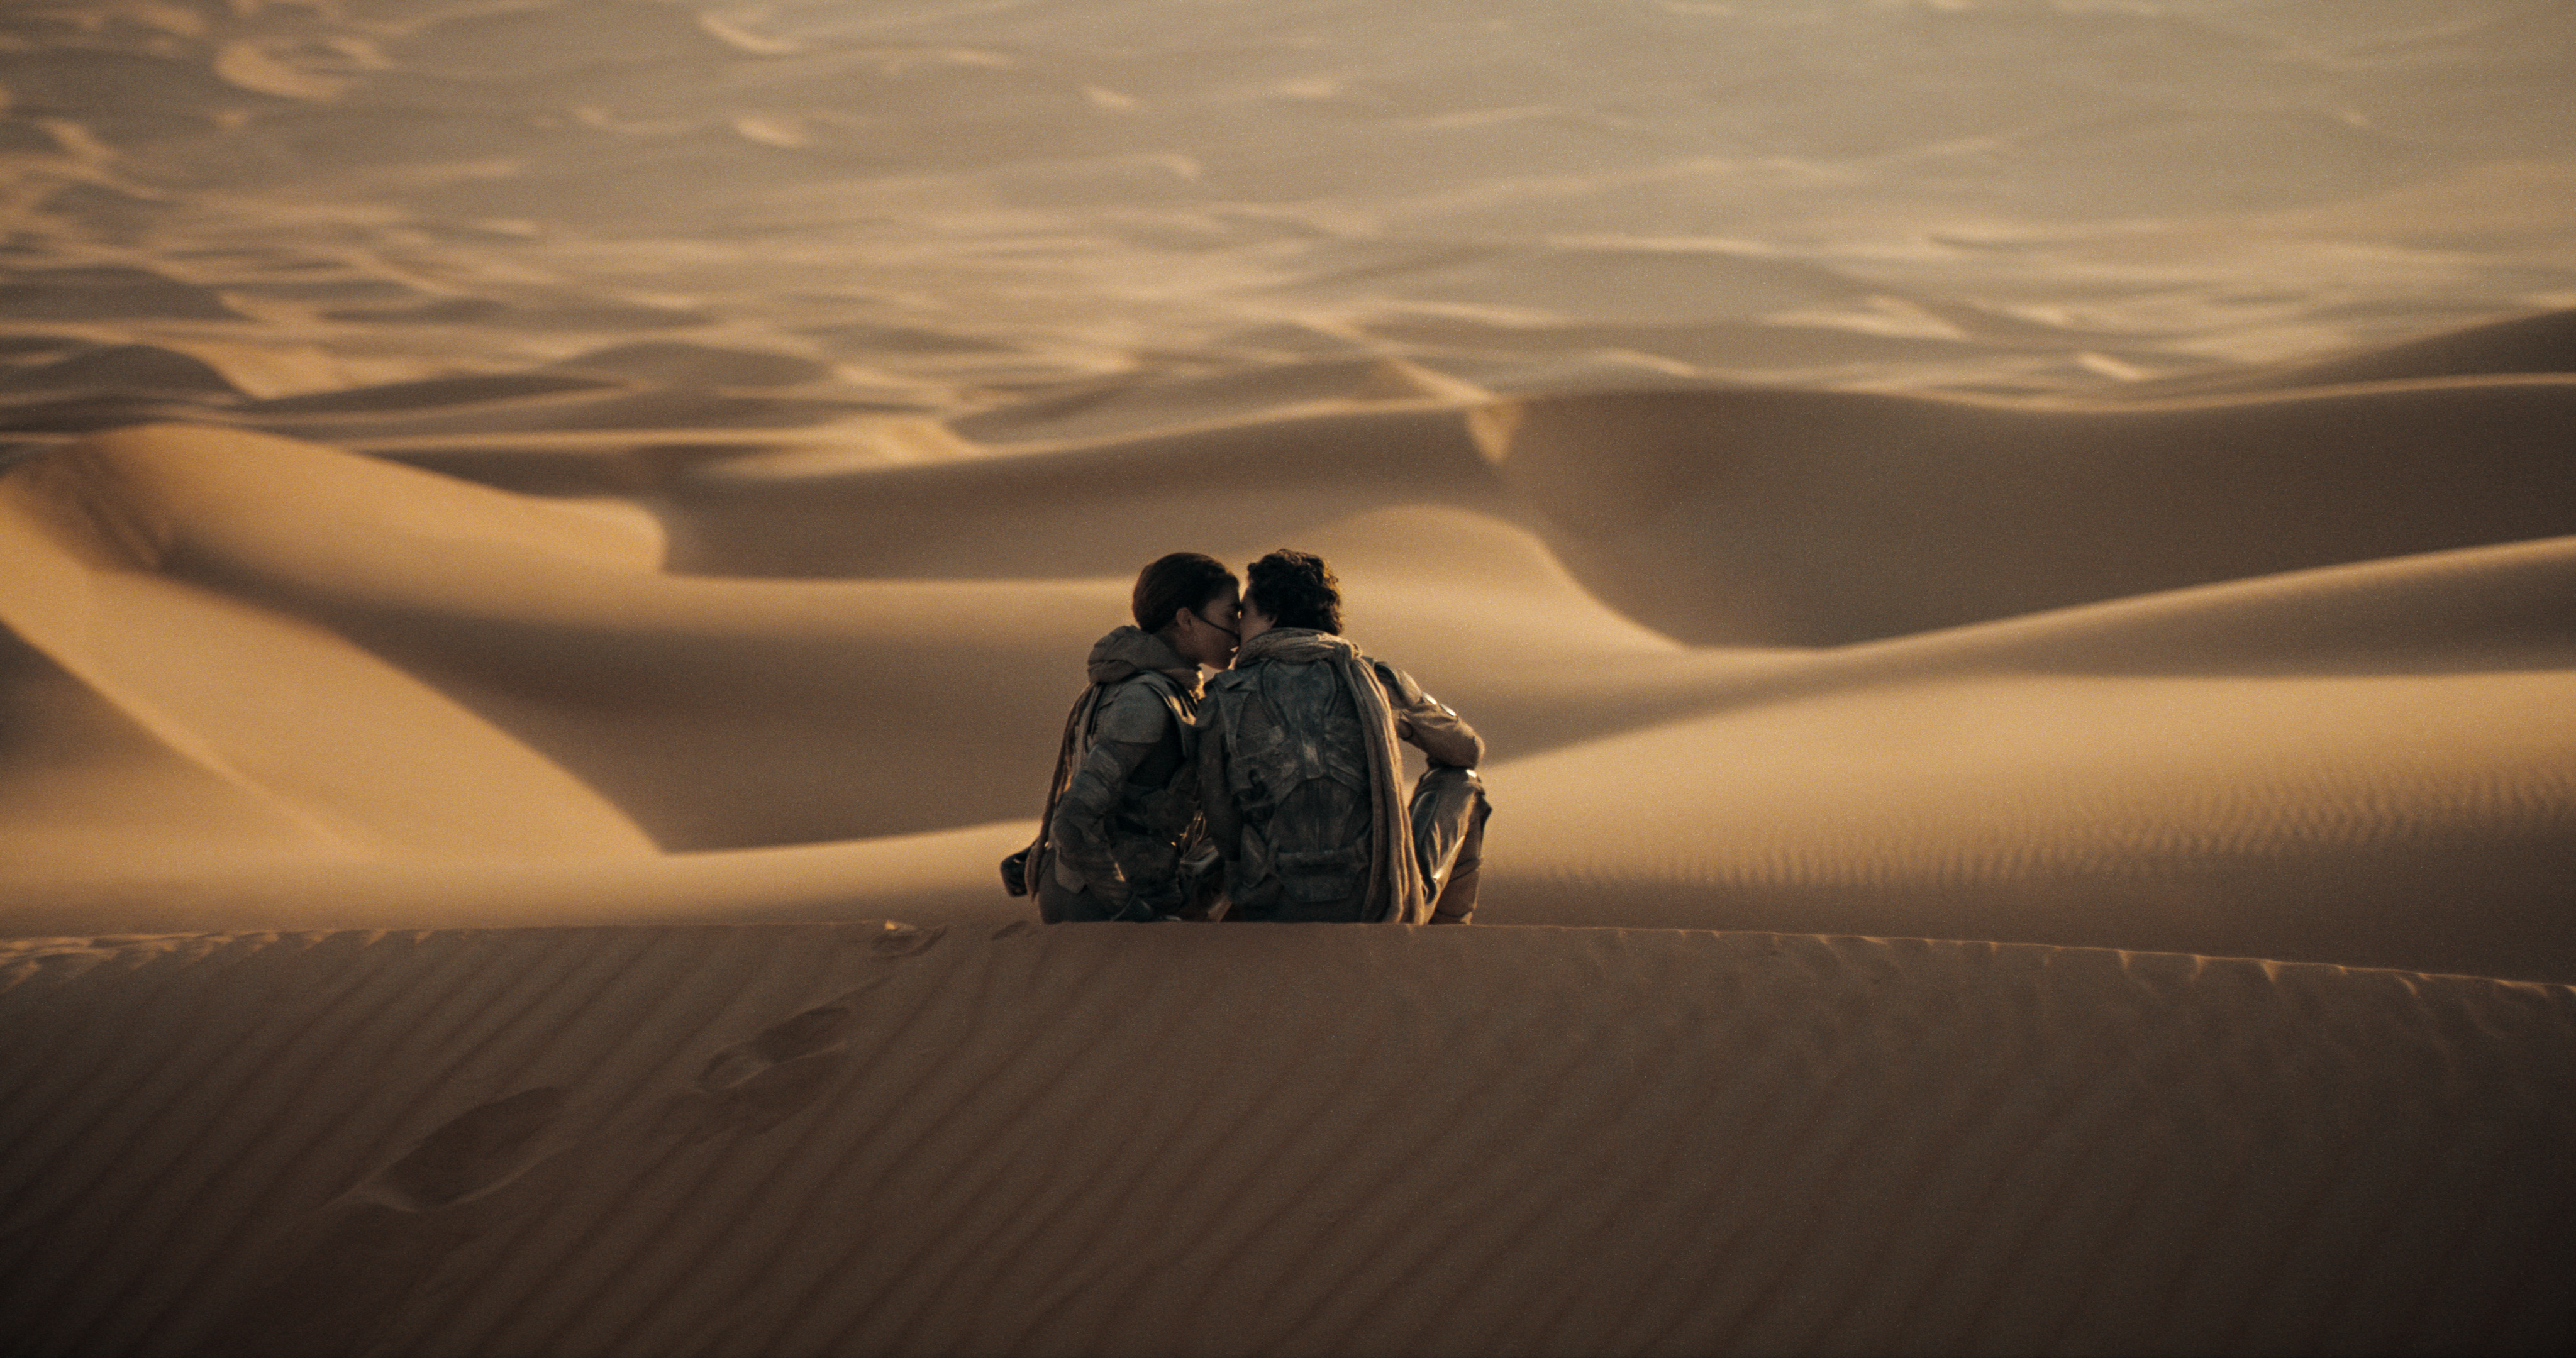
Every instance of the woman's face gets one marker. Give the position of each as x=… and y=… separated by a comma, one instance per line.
x=1207, y=636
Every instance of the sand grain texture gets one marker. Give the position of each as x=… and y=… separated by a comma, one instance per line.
x=865, y=1138
x=521, y=519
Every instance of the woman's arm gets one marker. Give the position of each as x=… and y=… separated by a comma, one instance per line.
x=1132, y=723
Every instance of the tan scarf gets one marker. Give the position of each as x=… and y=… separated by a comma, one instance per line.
x=1396, y=892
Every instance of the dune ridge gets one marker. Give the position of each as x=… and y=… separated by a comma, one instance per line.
x=2542, y=343
x=2425, y=822
x=521, y=520
x=935, y=876
x=365, y=757
x=1828, y=517
x=884, y=1139
x=2333, y=758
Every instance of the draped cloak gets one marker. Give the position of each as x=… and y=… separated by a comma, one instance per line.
x=1395, y=891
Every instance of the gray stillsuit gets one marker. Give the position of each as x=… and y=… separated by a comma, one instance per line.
x=1131, y=810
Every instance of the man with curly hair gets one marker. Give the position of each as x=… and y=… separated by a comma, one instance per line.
x=1301, y=780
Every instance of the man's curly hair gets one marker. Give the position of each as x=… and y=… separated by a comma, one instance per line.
x=1295, y=589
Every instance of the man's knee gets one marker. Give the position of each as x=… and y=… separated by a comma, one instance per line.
x=1449, y=810
x=1446, y=794
x=1471, y=846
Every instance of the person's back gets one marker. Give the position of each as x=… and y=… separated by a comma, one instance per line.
x=1302, y=780
x=1298, y=780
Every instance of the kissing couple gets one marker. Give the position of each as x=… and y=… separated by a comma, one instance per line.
x=1273, y=789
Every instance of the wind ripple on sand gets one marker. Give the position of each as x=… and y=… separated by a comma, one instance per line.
x=853, y=1138
x=2424, y=821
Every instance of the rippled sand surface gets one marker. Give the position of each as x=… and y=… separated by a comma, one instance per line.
x=1306, y=1139
x=561, y=507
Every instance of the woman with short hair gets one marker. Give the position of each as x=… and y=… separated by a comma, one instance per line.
x=1123, y=808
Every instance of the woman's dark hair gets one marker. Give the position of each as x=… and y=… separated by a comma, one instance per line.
x=1295, y=589
x=1183, y=580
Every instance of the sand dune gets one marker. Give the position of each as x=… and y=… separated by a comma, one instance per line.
x=2544, y=343
x=360, y=754
x=119, y=292
x=520, y=521
x=2421, y=821
x=477, y=589
x=728, y=712
x=872, y=1139
x=2361, y=764
x=123, y=369
x=2474, y=608
x=131, y=884
x=1819, y=517
x=1743, y=518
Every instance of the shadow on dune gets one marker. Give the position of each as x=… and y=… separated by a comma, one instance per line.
x=2536, y=344
x=1822, y=518
x=1085, y=511
x=1798, y=518
x=779, y=656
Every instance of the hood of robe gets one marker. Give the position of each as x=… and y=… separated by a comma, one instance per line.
x=1131, y=650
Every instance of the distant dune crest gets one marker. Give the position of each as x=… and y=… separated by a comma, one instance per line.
x=2016, y=564
x=1742, y=652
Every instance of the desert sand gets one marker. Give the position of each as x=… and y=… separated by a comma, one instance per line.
x=1306, y=1139
x=2017, y=565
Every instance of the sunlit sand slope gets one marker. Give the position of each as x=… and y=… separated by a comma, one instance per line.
x=472, y=707
x=2370, y=765
x=125, y=600
x=865, y=1139
x=2422, y=821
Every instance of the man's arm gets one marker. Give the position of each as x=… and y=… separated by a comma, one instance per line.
x=1131, y=725
x=1427, y=722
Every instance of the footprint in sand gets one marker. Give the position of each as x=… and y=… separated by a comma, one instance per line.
x=755, y=1085
x=812, y=1033
x=906, y=940
x=473, y=1154
x=332, y=1283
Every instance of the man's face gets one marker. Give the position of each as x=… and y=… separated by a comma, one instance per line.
x=1250, y=622
x=1208, y=635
